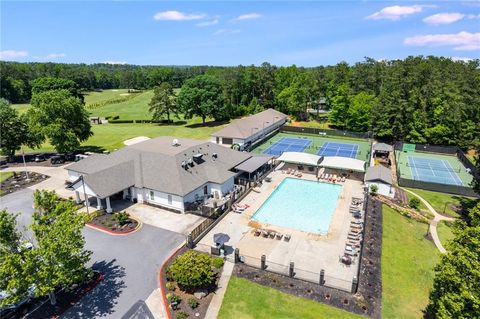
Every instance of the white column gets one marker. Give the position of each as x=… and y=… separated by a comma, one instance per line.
x=99, y=203
x=78, y=200
x=109, y=208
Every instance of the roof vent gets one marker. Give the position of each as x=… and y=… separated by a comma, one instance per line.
x=185, y=164
x=214, y=155
x=190, y=162
x=175, y=142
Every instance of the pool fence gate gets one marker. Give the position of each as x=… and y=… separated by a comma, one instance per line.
x=438, y=187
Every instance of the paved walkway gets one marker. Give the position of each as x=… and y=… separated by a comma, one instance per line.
x=432, y=228
x=216, y=303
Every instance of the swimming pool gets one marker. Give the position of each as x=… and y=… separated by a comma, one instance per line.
x=300, y=204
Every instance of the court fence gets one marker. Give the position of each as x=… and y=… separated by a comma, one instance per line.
x=438, y=187
x=323, y=131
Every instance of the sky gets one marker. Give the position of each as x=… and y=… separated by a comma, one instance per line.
x=228, y=33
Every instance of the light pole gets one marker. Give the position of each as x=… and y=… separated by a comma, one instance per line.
x=25, y=165
x=85, y=195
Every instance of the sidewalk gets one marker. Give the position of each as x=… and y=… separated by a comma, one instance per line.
x=216, y=303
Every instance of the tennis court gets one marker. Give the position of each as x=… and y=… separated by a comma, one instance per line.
x=338, y=149
x=287, y=144
x=433, y=170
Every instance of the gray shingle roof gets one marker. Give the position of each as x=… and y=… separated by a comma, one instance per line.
x=378, y=173
x=157, y=164
x=250, y=125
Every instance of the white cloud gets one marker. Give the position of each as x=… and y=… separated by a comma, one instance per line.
x=12, y=54
x=463, y=59
x=177, y=16
x=55, y=56
x=114, y=62
x=462, y=41
x=207, y=23
x=226, y=31
x=443, y=18
x=395, y=12
x=247, y=16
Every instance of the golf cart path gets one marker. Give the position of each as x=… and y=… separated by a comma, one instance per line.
x=432, y=228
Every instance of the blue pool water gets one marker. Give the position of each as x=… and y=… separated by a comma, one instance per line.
x=300, y=204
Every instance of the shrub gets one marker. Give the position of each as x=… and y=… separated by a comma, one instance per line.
x=192, y=270
x=171, y=297
x=181, y=315
x=217, y=262
x=373, y=189
x=122, y=218
x=193, y=303
x=170, y=285
x=414, y=203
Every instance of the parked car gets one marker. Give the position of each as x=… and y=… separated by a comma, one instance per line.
x=57, y=159
x=40, y=158
x=17, y=309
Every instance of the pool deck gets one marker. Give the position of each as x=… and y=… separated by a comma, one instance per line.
x=310, y=252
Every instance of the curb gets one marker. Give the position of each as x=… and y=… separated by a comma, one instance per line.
x=114, y=233
x=160, y=279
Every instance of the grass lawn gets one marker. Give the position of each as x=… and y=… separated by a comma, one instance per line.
x=407, y=266
x=438, y=200
x=21, y=108
x=111, y=136
x=245, y=299
x=104, y=95
x=5, y=175
x=445, y=232
x=135, y=108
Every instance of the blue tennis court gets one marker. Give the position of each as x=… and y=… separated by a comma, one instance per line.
x=287, y=144
x=338, y=149
x=433, y=170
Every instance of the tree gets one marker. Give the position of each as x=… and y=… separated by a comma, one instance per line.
x=455, y=292
x=373, y=189
x=60, y=117
x=45, y=84
x=202, y=96
x=414, y=203
x=14, y=130
x=61, y=256
x=192, y=270
x=9, y=235
x=359, y=112
x=57, y=260
x=339, y=101
x=163, y=102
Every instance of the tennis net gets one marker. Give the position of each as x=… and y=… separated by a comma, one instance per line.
x=435, y=167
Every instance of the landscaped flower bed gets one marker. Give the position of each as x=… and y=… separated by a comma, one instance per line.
x=18, y=181
x=117, y=222
x=192, y=278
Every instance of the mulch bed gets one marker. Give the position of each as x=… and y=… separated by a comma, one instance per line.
x=108, y=222
x=367, y=300
x=65, y=299
x=19, y=181
x=203, y=303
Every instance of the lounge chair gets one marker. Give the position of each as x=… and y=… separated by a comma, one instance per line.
x=355, y=230
x=264, y=233
x=271, y=234
x=257, y=232
x=344, y=179
x=356, y=226
x=287, y=237
x=350, y=253
x=356, y=222
x=278, y=236
x=238, y=208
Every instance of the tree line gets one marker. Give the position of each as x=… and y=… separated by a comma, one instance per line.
x=418, y=99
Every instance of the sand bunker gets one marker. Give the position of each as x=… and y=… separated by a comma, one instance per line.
x=124, y=94
x=136, y=140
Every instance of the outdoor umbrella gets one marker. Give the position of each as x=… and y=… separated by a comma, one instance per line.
x=220, y=238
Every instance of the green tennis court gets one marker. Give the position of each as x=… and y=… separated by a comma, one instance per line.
x=319, y=144
x=432, y=167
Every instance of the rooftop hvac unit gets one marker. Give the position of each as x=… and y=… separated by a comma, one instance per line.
x=175, y=142
x=190, y=162
x=214, y=155
x=184, y=164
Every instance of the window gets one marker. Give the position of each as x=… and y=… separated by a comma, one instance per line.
x=218, y=140
x=169, y=199
x=152, y=195
x=205, y=190
x=227, y=140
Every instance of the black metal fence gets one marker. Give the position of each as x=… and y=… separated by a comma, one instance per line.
x=322, y=131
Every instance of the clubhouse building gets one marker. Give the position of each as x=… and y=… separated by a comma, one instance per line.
x=247, y=131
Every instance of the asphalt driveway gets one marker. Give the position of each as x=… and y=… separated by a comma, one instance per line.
x=130, y=264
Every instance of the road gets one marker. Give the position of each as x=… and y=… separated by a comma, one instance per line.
x=130, y=264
